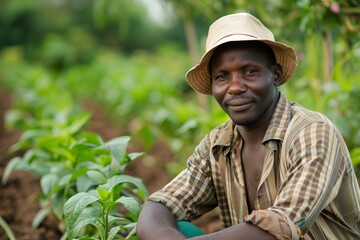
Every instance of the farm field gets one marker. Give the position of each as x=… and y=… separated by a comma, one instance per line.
x=95, y=108
x=18, y=197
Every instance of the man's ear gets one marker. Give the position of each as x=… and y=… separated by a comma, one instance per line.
x=278, y=75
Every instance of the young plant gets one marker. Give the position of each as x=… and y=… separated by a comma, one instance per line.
x=100, y=209
x=69, y=164
x=55, y=147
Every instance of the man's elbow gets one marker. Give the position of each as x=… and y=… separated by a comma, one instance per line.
x=156, y=222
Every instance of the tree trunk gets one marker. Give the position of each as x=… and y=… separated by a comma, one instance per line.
x=191, y=39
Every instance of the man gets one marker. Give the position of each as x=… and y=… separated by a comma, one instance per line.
x=275, y=169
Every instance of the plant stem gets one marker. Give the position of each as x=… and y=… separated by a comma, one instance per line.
x=106, y=223
x=7, y=229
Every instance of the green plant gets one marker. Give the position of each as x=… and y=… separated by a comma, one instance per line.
x=6, y=228
x=98, y=208
x=55, y=146
x=68, y=164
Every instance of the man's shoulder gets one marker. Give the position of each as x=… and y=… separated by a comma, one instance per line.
x=299, y=112
x=303, y=118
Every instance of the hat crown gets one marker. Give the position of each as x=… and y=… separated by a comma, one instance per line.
x=237, y=24
x=239, y=27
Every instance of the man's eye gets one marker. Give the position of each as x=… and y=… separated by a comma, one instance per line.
x=221, y=76
x=251, y=72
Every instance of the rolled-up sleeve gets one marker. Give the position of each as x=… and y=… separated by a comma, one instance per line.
x=275, y=223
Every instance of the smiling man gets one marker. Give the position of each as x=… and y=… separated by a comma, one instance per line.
x=275, y=170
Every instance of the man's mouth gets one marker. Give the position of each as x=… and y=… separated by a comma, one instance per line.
x=238, y=105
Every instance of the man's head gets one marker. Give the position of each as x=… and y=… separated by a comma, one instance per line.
x=240, y=27
x=244, y=80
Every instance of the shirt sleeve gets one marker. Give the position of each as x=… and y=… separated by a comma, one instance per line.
x=190, y=194
x=310, y=181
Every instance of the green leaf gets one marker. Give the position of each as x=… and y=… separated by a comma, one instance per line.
x=38, y=155
x=18, y=163
x=117, y=147
x=31, y=134
x=75, y=205
x=82, y=152
x=86, y=238
x=39, y=217
x=57, y=203
x=103, y=193
x=132, y=231
x=6, y=229
x=119, y=221
x=130, y=204
x=113, y=232
x=48, y=183
x=96, y=176
x=14, y=118
x=14, y=164
x=78, y=123
x=121, y=179
x=84, y=183
x=81, y=171
x=133, y=156
x=90, y=216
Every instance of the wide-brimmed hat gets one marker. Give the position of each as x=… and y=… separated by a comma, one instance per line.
x=238, y=27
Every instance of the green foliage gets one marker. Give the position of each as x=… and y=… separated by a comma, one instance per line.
x=6, y=229
x=62, y=53
x=69, y=32
x=55, y=146
x=96, y=208
x=147, y=93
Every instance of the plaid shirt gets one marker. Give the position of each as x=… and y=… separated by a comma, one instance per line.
x=308, y=187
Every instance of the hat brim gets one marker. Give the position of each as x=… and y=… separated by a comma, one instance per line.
x=199, y=77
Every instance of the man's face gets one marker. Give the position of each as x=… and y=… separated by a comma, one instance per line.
x=244, y=81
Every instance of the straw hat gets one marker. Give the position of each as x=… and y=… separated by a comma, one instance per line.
x=238, y=27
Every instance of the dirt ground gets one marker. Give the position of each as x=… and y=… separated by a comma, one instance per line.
x=18, y=197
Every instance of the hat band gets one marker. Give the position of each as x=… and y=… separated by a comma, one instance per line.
x=247, y=37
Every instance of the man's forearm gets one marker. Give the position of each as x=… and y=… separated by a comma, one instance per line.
x=242, y=231
x=156, y=222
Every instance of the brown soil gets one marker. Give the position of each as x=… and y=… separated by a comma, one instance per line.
x=18, y=197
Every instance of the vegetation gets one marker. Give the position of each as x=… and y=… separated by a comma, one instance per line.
x=71, y=161
x=7, y=229
x=64, y=53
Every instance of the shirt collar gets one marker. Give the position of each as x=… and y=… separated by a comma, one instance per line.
x=279, y=121
x=227, y=134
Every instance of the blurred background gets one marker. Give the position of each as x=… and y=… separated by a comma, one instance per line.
x=130, y=58
x=124, y=61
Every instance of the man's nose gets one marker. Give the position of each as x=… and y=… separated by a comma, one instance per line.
x=237, y=84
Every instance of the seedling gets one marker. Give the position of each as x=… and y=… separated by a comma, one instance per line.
x=99, y=209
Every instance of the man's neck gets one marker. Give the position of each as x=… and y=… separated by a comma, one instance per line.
x=254, y=134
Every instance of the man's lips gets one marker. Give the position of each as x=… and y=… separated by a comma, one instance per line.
x=239, y=104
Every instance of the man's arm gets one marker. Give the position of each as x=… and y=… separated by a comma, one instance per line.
x=241, y=231
x=156, y=222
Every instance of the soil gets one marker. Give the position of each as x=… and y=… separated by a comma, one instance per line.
x=18, y=197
